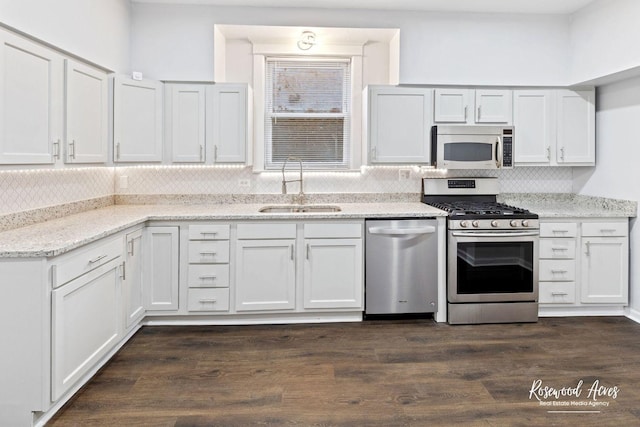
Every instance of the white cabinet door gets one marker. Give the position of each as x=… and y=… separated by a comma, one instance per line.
x=493, y=106
x=132, y=280
x=160, y=272
x=86, y=324
x=452, y=105
x=137, y=120
x=605, y=270
x=576, y=127
x=333, y=275
x=399, y=125
x=86, y=114
x=229, y=122
x=265, y=274
x=535, y=126
x=31, y=82
x=186, y=122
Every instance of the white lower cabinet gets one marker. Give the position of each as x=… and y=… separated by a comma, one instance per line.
x=584, y=264
x=265, y=267
x=132, y=292
x=86, y=324
x=161, y=260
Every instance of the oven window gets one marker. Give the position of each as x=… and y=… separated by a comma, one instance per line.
x=468, y=152
x=495, y=267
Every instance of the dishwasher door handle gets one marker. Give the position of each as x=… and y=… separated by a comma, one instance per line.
x=402, y=231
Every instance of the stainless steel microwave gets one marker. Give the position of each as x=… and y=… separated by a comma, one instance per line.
x=472, y=147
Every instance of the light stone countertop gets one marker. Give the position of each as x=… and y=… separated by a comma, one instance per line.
x=57, y=236
x=566, y=205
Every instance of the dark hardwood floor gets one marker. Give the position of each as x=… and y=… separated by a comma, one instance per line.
x=374, y=373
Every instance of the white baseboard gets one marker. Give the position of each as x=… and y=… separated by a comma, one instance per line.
x=633, y=315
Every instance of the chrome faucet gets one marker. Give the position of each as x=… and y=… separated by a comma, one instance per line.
x=300, y=196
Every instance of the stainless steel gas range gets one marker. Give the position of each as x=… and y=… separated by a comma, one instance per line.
x=492, y=252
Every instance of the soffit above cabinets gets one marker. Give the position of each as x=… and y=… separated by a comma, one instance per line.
x=483, y=6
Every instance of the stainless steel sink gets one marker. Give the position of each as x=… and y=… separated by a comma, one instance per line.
x=299, y=209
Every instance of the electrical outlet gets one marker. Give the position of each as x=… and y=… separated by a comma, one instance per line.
x=244, y=183
x=404, y=174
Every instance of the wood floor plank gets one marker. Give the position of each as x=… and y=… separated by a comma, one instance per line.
x=377, y=373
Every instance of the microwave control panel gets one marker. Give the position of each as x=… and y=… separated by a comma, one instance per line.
x=507, y=149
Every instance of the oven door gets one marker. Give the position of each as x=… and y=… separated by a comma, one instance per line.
x=469, y=151
x=492, y=266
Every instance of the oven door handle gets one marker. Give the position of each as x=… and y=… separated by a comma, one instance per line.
x=496, y=234
x=402, y=231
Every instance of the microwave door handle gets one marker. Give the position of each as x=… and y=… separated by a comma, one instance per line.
x=498, y=152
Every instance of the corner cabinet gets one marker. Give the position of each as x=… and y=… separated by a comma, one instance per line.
x=554, y=127
x=399, y=123
x=132, y=292
x=584, y=266
x=137, y=120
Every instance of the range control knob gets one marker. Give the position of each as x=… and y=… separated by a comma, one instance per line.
x=494, y=223
x=525, y=223
x=464, y=224
x=476, y=223
x=514, y=223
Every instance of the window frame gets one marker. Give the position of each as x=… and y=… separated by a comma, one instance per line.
x=345, y=114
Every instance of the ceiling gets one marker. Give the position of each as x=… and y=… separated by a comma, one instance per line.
x=488, y=6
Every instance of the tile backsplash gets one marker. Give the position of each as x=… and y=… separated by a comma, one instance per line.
x=23, y=190
x=242, y=180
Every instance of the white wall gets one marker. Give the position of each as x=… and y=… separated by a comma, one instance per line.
x=617, y=153
x=177, y=42
x=604, y=39
x=97, y=30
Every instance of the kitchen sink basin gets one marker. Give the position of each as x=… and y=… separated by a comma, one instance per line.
x=299, y=209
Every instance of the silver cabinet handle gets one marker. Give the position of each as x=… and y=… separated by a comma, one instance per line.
x=558, y=271
x=97, y=259
x=588, y=246
x=479, y=109
x=201, y=152
x=208, y=277
x=292, y=252
x=559, y=231
x=560, y=249
x=559, y=294
x=562, y=154
x=608, y=230
x=72, y=149
x=208, y=301
x=208, y=233
x=307, y=251
x=548, y=153
x=130, y=247
x=465, y=113
x=118, y=151
x=215, y=153
x=124, y=273
x=56, y=149
x=374, y=153
x=208, y=253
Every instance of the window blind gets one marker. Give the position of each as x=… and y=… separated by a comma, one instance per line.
x=307, y=114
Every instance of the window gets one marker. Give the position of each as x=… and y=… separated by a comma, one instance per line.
x=308, y=112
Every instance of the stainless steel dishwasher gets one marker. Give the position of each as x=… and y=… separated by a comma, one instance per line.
x=401, y=266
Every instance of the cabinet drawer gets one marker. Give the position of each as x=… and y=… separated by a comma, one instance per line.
x=81, y=261
x=266, y=230
x=208, y=276
x=558, y=248
x=209, y=232
x=209, y=252
x=557, y=293
x=557, y=270
x=328, y=231
x=558, y=229
x=604, y=229
x=208, y=299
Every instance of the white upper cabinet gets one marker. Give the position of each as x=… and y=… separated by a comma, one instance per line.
x=399, y=124
x=554, y=127
x=86, y=113
x=576, y=127
x=137, y=120
x=535, y=125
x=473, y=106
x=31, y=83
x=185, y=124
x=229, y=122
